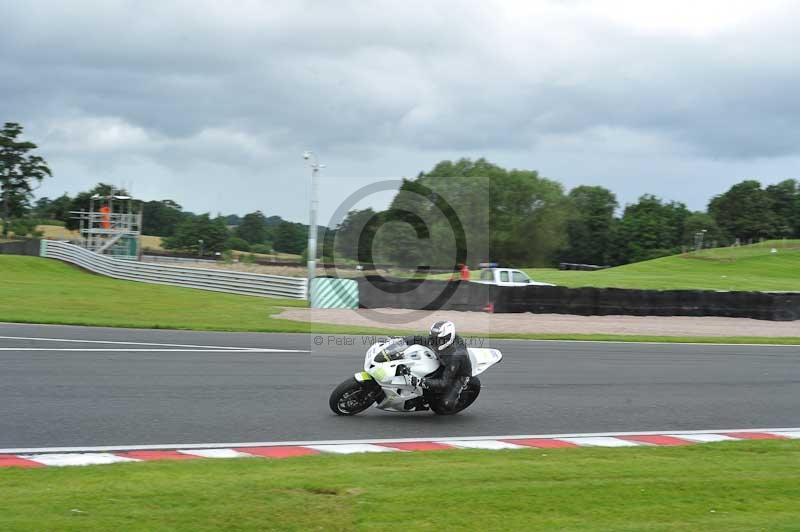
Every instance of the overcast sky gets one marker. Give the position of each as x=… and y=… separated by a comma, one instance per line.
x=212, y=103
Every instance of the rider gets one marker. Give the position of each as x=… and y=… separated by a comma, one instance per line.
x=456, y=367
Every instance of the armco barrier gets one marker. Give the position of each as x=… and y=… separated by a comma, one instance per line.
x=251, y=284
x=375, y=292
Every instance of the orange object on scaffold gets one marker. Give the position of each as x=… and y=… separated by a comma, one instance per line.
x=105, y=217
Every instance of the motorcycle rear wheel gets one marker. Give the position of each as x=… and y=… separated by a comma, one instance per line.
x=351, y=397
x=467, y=397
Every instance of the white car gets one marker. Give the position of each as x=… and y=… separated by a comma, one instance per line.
x=507, y=277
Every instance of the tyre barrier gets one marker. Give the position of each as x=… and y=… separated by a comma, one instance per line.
x=580, y=267
x=28, y=247
x=378, y=292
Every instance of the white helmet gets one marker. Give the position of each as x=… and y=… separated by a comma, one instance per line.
x=443, y=334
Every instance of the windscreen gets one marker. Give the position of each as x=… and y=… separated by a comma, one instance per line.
x=391, y=351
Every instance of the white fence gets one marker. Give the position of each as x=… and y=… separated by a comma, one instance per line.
x=251, y=284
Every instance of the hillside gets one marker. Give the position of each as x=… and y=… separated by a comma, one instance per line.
x=753, y=267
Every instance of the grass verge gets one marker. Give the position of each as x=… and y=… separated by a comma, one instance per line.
x=34, y=290
x=724, y=486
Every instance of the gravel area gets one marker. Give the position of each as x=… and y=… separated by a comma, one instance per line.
x=479, y=322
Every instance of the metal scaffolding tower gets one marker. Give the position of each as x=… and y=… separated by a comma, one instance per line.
x=112, y=226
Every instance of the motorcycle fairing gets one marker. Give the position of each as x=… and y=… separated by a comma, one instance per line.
x=482, y=358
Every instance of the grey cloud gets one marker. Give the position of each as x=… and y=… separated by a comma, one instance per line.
x=241, y=90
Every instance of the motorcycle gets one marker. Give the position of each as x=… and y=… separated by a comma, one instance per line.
x=391, y=378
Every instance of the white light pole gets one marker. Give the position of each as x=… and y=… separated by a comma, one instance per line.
x=312, y=217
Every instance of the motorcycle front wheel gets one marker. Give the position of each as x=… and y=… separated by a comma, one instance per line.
x=351, y=397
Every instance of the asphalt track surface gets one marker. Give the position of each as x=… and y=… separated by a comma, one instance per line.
x=230, y=387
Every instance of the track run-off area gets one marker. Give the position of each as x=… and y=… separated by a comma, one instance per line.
x=63, y=386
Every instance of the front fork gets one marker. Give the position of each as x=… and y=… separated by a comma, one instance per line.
x=373, y=388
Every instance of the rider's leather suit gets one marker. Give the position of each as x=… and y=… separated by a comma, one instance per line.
x=449, y=379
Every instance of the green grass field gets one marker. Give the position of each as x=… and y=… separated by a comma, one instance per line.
x=743, y=268
x=723, y=486
x=34, y=290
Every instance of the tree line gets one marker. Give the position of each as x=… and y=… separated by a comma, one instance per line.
x=184, y=230
x=517, y=217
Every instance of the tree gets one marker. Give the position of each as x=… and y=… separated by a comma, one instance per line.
x=400, y=235
x=263, y=249
x=19, y=204
x=232, y=219
x=18, y=171
x=290, y=237
x=57, y=209
x=355, y=234
x=239, y=244
x=591, y=215
x=701, y=222
x=649, y=229
x=25, y=227
x=744, y=211
x=469, y=188
x=785, y=199
x=511, y=216
x=528, y=218
x=190, y=231
x=161, y=218
x=253, y=228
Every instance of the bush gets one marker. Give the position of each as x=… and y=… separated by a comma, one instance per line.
x=239, y=244
x=248, y=259
x=263, y=249
x=191, y=231
x=23, y=227
x=227, y=256
x=46, y=221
